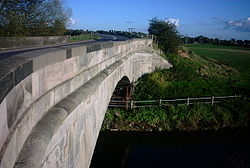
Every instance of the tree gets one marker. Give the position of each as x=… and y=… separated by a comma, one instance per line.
x=33, y=17
x=166, y=35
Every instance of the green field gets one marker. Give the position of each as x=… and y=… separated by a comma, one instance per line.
x=214, y=46
x=237, y=58
x=232, y=56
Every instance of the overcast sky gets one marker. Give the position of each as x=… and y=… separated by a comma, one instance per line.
x=223, y=19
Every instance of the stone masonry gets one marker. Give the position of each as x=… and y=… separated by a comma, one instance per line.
x=52, y=102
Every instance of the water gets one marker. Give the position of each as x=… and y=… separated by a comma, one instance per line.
x=223, y=148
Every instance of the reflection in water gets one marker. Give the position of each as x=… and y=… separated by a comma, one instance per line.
x=223, y=148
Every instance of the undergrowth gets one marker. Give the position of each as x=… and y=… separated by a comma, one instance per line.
x=234, y=113
x=190, y=76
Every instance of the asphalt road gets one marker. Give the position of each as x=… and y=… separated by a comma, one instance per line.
x=10, y=53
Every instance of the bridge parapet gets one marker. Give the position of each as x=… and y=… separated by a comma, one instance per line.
x=33, y=82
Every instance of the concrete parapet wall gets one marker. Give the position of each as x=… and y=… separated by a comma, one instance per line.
x=32, y=83
x=26, y=42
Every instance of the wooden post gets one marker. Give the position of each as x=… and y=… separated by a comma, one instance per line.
x=126, y=105
x=212, y=100
x=131, y=104
x=160, y=102
x=188, y=101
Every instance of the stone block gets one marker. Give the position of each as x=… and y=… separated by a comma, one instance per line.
x=68, y=53
x=62, y=91
x=15, y=102
x=23, y=71
x=4, y=130
x=39, y=62
x=77, y=97
x=42, y=82
x=67, y=104
x=24, y=129
x=69, y=68
x=6, y=84
x=76, y=82
x=79, y=51
x=12, y=63
x=107, y=45
x=84, y=61
x=94, y=47
x=43, y=104
x=53, y=75
x=55, y=57
x=35, y=85
x=18, y=100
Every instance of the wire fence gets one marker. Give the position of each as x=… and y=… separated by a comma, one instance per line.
x=188, y=101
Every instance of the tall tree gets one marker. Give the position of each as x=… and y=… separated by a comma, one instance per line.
x=33, y=17
x=166, y=35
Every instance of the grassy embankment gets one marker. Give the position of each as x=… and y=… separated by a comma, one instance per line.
x=83, y=37
x=213, y=73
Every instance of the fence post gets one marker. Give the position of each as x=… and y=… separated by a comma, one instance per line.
x=160, y=102
x=212, y=100
x=188, y=101
x=126, y=105
x=131, y=104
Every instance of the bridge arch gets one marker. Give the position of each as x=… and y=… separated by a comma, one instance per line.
x=66, y=134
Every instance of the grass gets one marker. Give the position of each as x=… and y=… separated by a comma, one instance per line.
x=83, y=37
x=213, y=46
x=192, y=76
x=236, y=58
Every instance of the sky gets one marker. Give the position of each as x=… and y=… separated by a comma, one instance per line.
x=224, y=19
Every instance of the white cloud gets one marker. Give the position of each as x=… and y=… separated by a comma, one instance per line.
x=173, y=21
x=73, y=21
x=242, y=25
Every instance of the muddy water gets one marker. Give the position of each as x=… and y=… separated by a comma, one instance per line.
x=205, y=149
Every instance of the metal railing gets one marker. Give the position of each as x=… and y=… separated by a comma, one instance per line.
x=188, y=101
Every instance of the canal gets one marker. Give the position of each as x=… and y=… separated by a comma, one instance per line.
x=206, y=149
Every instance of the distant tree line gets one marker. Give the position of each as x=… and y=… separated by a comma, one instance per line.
x=75, y=32
x=205, y=40
x=33, y=18
x=124, y=33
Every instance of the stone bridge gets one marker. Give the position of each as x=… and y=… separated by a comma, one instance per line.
x=53, y=101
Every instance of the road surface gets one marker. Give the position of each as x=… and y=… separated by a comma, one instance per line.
x=10, y=53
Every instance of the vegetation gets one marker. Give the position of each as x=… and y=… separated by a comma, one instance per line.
x=191, y=76
x=33, y=18
x=75, y=32
x=83, y=37
x=233, y=113
x=166, y=35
